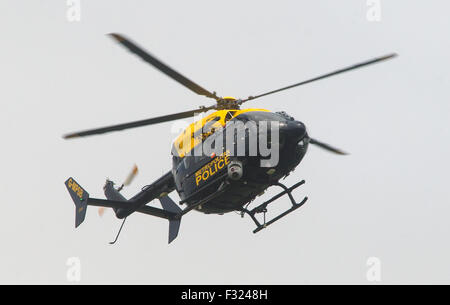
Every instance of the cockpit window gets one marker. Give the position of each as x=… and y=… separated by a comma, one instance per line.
x=262, y=116
x=217, y=118
x=229, y=115
x=207, y=129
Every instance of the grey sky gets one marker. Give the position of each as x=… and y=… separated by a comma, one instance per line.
x=388, y=199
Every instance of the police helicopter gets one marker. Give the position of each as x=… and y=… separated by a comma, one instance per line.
x=224, y=180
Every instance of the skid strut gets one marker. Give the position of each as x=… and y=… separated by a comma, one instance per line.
x=262, y=208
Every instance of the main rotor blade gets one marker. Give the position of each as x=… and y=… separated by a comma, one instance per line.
x=133, y=48
x=161, y=119
x=327, y=147
x=366, y=63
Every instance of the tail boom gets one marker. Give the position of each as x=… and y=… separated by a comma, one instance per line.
x=123, y=207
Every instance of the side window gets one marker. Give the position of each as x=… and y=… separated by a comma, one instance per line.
x=208, y=128
x=217, y=118
x=229, y=115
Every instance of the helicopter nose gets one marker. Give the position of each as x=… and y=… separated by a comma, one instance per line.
x=293, y=130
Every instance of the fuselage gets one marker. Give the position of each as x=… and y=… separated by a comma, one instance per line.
x=242, y=138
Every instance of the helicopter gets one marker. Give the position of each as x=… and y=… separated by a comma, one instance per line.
x=222, y=181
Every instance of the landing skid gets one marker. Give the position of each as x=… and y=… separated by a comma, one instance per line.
x=262, y=208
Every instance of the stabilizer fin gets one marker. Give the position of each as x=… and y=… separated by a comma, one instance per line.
x=174, y=224
x=80, y=198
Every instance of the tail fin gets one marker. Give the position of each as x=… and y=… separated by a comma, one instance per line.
x=174, y=224
x=80, y=198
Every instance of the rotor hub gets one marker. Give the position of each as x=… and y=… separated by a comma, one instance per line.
x=228, y=102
